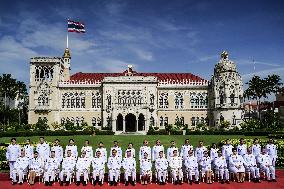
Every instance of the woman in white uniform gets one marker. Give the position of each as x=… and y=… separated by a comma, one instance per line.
x=236, y=163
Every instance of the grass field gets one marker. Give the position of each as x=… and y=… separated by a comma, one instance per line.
x=136, y=140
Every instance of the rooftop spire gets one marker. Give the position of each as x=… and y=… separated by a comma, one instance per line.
x=67, y=53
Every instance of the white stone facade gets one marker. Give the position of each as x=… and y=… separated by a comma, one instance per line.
x=131, y=102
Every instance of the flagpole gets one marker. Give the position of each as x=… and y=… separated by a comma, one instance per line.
x=67, y=41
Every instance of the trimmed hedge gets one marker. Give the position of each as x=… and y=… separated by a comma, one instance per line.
x=159, y=132
x=230, y=132
x=44, y=133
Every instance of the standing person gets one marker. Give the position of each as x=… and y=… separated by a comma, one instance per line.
x=191, y=167
x=214, y=151
x=251, y=166
x=83, y=168
x=145, y=169
x=206, y=168
x=98, y=164
x=131, y=149
x=161, y=166
x=129, y=166
x=256, y=148
x=114, y=165
x=118, y=150
x=186, y=147
x=51, y=168
x=103, y=151
x=29, y=149
x=88, y=150
x=171, y=149
x=236, y=163
x=143, y=149
x=36, y=167
x=58, y=150
x=242, y=147
x=43, y=149
x=12, y=154
x=220, y=165
x=271, y=150
x=265, y=162
x=71, y=146
x=20, y=168
x=68, y=166
x=199, y=151
x=227, y=150
x=157, y=149
x=175, y=164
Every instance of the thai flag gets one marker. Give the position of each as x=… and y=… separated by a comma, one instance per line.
x=76, y=27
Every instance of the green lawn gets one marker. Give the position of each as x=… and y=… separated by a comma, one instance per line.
x=136, y=140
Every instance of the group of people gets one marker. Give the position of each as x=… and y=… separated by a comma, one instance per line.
x=174, y=164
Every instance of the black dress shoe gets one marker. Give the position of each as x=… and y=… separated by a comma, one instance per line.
x=61, y=183
x=197, y=182
x=274, y=180
x=14, y=183
x=46, y=183
x=115, y=184
x=190, y=182
x=77, y=183
x=227, y=182
x=180, y=183
x=95, y=182
x=50, y=183
x=100, y=183
x=111, y=183
x=84, y=183
x=222, y=182
x=126, y=183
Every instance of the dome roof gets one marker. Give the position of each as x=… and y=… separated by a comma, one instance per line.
x=225, y=65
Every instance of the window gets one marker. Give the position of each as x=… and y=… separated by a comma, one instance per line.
x=152, y=121
x=234, y=119
x=166, y=121
x=232, y=99
x=161, y=121
x=99, y=122
x=94, y=121
x=198, y=100
x=163, y=100
x=181, y=120
x=152, y=98
x=178, y=101
x=108, y=105
x=193, y=121
x=108, y=122
x=43, y=73
x=43, y=100
x=73, y=100
x=96, y=100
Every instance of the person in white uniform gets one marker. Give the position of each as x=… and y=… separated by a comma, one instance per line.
x=71, y=146
x=242, y=147
x=191, y=167
x=175, y=164
x=199, y=151
x=36, y=167
x=145, y=148
x=145, y=169
x=265, y=163
x=236, y=163
x=129, y=166
x=118, y=150
x=43, y=149
x=227, y=150
x=171, y=149
x=114, y=165
x=221, y=169
x=83, y=165
x=29, y=149
x=88, y=150
x=131, y=149
x=68, y=166
x=103, y=151
x=256, y=148
x=20, y=168
x=57, y=148
x=156, y=150
x=51, y=168
x=98, y=164
x=161, y=167
x=206, y=167
x=12, y=154
x=271, y=150
x=185, y=148
x=251, y=166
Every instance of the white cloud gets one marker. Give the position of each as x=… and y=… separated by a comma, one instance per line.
x=142, y=54
x=264, y=73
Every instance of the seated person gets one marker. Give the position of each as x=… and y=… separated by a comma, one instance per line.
x=83, y=168
x=175, y=164
x=236, y=163
x=98, y=164
x=129, y=166
x=221, y=168
x=36, y=167
x=145, y=169
x=205, y=164
x=20, y=168
x=68, y=166
x=191, y=167
x=51, y=169
x=265, y=163
x=114, y=165
x=161, y=166
x=250, y=165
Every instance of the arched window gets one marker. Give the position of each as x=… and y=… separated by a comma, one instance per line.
x=108, y=122
x=163, y=100
x=193, y=121
x=96, y=100
x=73, y=100
x=94, y=121
x=182, y=120
x=166, y=121
x=161, y=121
x=178, y=101
x=43, y=100
x=232, y=99
x=99, y=122
x=152, y=99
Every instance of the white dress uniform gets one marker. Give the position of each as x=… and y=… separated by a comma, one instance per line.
x=236, y=161
x=12, y=154
x=43, y=150
x=156, y=150
x=191, y=166
x=114, y=165
x=37, y=165
x=51, y=168
x=220, y=165
x=213, y=153
x=29, y=151
x=175, y=164
x=129, y=166
x=199, y=152
x=205, y=164
x=161, y=166
x=58, y=152
x=145, y=167
x=184, y=150
x=68, y=166
x=227, y=151
x=98, y=164
x=170, y=152
x=271, y=150
x=20, y=168
x=250, y=165
x=265, y=163
x=144, y=149
x=118, y=152
x=256, y=150
x=103, y=153
x=74, y=151
x=83, y=168
x=242, y=149
x=132, y=150
x=89, y=151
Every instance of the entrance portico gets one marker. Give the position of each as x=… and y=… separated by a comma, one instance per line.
x=130, y=123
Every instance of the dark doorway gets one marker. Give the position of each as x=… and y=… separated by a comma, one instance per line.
x=119, y=123
x=130, y=123
x=141, y=122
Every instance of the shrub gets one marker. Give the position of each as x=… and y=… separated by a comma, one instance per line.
x=159, y=132
x=45, y=133
x=69, y=125
x=42, y=124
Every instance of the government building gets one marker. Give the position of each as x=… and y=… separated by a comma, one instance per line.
x=131, y=101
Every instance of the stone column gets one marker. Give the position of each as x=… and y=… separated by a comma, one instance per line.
x=123, y=124
x=137, y=124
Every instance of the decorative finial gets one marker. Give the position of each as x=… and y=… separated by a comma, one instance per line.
x=225, y=55
x=67, y=53
x=130, y=71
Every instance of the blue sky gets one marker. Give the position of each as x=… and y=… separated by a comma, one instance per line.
x=154, y=36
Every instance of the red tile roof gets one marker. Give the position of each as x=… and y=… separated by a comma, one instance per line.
x=161, y=76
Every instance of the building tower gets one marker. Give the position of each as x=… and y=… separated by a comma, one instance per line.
x=226, y=92
x=67, y=60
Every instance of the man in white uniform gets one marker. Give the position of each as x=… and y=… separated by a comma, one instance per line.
x=20, y=168
x=114, y=165
x=143, y=149
x=236, y=163
x=156, y=150
x=205, y=164
x=68, y=166
x=199, y=151
x=185, y=149
x=12, y=154
x=88, y=149
x=51, y=169
x=43, y=149
x=131, y=149
x=103, y=151
x=161, y=166
x=265, y=163
x=58, y=150
x=256, y=148
x=145, y=169
x=36, y=167
x=98, y=164
x=29, y=149
x=242, y=147
x=191, y=167
x=251, y=166
x=175, y=164
x=227, y=150
x=118, y=150
x=271, y=150
x=129, y=166
x=171, y=149
x=221, y=168
x=83, y=168
x=71, y=146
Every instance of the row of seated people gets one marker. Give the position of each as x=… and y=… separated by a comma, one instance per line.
x=177, y=166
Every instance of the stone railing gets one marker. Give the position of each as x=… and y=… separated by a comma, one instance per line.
x=180, y=83
x=83, y=83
